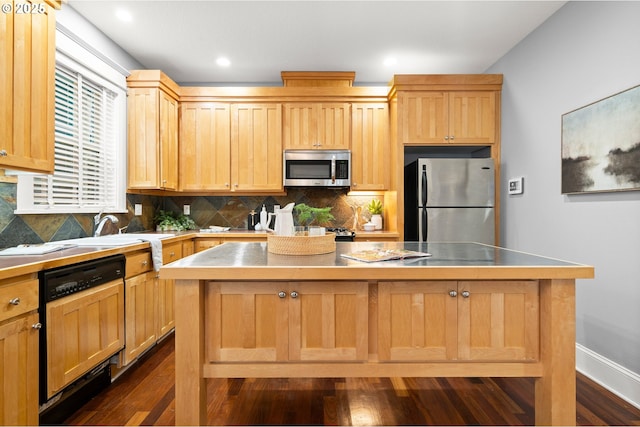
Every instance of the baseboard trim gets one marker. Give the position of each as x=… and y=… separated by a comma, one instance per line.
x=610, y=375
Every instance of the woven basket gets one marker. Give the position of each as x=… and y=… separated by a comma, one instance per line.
x=301, y=245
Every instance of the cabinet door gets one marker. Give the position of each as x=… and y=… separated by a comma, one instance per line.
x=166, y=292
x=83, y=329
x=416, y=321
x=256, y=147
x=27, y=83
x=472, y=117
x=328, y=321
x=370, y=147
x=143, y=144
x=19, y=356
x=334, y=126
x=168, y=142
x=205, y=146
x=247, y=322
x=423, y=117
x=140, y=294
x=313, y=126
x=498, y=321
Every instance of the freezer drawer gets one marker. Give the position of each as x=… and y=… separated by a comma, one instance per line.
x=456, y=225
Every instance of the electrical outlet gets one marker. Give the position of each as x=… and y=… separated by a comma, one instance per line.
x=516, y=185
x=186, y=209
x=137, y=209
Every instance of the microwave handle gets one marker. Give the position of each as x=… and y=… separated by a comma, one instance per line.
x=333, y=169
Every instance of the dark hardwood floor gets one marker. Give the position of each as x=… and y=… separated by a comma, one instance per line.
x=144, y=395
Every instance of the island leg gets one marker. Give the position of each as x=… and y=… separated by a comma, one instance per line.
x=191, y=391
x=555, y=391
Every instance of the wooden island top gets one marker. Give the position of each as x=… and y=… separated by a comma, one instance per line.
x=467, y=310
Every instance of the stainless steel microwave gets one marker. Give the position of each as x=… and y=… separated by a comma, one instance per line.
x=317, y=168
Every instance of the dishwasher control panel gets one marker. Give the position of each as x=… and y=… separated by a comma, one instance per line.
x=63, y=281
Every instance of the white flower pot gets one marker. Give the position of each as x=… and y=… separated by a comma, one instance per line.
x=376, y=219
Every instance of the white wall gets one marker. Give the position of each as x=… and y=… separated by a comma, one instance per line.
x=74, y=25
x=583, y=53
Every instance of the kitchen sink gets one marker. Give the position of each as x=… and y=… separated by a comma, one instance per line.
x=113, y=239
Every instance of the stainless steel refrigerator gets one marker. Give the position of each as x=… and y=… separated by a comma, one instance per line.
x=449, y=200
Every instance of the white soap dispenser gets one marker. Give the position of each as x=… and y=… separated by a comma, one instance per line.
x=263, y=217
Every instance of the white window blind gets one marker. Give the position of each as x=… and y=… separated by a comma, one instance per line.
x=89, y=148
x=84, y=144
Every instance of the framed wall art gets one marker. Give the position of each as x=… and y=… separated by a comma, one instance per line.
x=601, y=145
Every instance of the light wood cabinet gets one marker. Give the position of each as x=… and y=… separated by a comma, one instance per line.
x=256, y=147
x=370, y=146
x=270, y=322
x=27, y=83
x=313, y=126
x=166, y=291
x=153, y=139
x=71, y=350
x=19, y=351
x=205, y=146
x=442, y=320
x=140, y=315
x=439, y=117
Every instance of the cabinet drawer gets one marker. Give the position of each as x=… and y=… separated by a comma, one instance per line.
x=171, y=252
x=138, y=263
x=18, y=296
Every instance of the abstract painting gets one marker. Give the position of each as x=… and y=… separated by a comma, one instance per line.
x=601, y=145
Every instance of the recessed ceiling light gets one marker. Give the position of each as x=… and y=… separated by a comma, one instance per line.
x=223, y=62
x=388, y=62
x=124, y=15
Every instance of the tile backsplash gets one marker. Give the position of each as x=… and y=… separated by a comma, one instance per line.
x=226, y=211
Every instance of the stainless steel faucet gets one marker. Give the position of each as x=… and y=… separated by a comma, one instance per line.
x=99, y=221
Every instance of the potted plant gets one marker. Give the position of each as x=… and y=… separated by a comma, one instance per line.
x=308, y=215
x=169, y=221
x=375, y=207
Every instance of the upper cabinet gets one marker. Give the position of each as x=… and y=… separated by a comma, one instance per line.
x=205, y=146
x=256, y=147
x=153, y=131
x=370, y=147
x=458, y=117
x=27, y=82
x=317, y=126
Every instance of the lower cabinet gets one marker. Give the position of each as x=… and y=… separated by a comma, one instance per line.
x=140, y=315
x=287, y=321
x=19, y=370
x=449, y=320
x=149, y=299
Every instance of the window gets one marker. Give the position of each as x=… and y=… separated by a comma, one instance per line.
x=90, y=162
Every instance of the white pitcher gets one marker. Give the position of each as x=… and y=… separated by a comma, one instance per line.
x=284, y=220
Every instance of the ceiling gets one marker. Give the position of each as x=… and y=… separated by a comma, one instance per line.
x=262, y=38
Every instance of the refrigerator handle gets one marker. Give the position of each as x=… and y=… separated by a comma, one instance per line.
x=423, y=195
x=425, y=225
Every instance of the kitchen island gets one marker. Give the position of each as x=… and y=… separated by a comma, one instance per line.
x=468, y=310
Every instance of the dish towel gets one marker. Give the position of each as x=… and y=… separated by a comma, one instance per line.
x=156, y=251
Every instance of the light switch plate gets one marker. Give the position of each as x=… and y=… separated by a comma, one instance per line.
x=516, y=185
x=137, y=209
x=186, y=209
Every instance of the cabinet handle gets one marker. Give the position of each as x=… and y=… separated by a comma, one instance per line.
x=282, y=294
x=14, y=301
x=172, y=254
x=466, y=294
x=144, y=263
x=294, y=294
x=452, y=137
x=226, y=184
x=37, y=325
x=446, y=137
x=3, y=153
x=453, y=294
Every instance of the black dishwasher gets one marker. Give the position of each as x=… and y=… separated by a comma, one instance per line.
x=76, y=285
